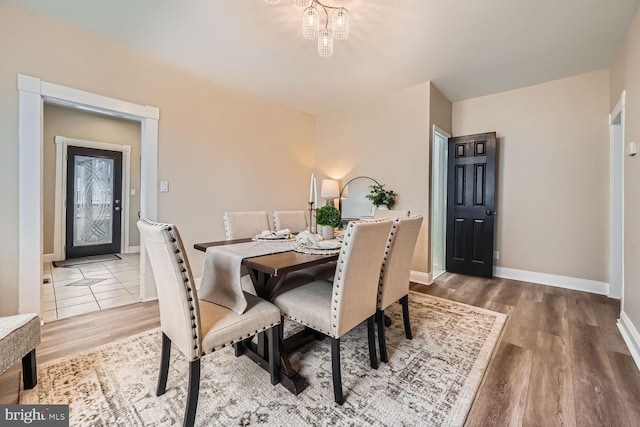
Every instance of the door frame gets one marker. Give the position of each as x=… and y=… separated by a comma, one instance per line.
x=32, y=94
x=616, y=199
x=60, y=225
x=446, y=135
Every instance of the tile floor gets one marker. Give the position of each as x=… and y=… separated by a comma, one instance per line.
x=90, y=287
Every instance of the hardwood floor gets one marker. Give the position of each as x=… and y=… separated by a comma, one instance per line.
x=560, y=361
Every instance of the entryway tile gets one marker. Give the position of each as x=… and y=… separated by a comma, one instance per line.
x=77, y=300
x=117, y=302
x=74, y=310
x=112, y=294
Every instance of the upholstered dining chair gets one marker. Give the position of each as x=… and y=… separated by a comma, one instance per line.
x=296, y=221
x=394, y=275
x=390, y=213
x=197, y=327
x=243, y=225
x=333, y=309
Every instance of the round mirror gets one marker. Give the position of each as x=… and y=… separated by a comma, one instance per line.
x=353, y=203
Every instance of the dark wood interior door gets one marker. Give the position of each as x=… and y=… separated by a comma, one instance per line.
x=471, y=182
x=94, y=202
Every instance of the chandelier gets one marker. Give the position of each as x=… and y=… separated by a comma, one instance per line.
x=311, y=23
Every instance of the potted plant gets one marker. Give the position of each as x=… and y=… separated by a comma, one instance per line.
x=327, y=218
x=381, y=197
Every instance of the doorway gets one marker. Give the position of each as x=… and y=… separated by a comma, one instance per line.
x=471, y=183
x=439, y=150
x=94, y=202
x=616, y=203
x=32, y=93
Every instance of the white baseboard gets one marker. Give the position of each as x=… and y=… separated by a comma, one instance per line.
x=566, y=282
x=133, y=249
x=631, y=337
x=421, y=277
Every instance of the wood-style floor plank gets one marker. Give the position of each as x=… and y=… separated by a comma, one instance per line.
x=523, y=326
x=503, y=395
x=68, y=336
x=597, y=399
x=555, y=342
x=580, y=308
x=550, y=400
x=607, y=317
x=553, y=318
x=626, y=373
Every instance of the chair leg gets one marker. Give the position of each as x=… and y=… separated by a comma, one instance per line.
x=371, y=332
x=164, y=365
x=273, y=335
x=192, y=395
x=335, y=367
x=29, y=374
x=405, y=316
x=382, y=341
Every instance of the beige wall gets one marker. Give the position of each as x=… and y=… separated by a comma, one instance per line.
x=553, y=179
x=625, y=75
x=387, y=139
x=440, y=111
x=77, y=124
x=220, y=149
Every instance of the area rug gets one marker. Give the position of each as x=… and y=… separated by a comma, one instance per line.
x=429, y=381
x=71, y=262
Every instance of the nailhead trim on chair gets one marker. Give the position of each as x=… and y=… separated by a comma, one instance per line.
x=308, y=325
x=385, y=259
x=185, y=278
x=241, y=338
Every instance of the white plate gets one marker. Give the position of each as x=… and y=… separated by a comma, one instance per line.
x=333, y=244
x=272, y=237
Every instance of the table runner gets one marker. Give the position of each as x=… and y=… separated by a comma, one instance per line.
x=221, y=276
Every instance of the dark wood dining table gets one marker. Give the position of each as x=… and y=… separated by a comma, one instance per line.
x=267, y=273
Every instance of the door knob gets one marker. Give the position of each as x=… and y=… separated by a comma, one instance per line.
x=489, y=212
x=117, y=208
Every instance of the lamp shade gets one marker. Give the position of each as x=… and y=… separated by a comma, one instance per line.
x=330, y=188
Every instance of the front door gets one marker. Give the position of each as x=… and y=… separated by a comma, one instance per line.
x=94, y=202
x=470, y=204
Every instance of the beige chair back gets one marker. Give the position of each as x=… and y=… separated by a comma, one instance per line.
x=243, y=225
x=390, y=213
x=355, y=283
x=296, y=221
x=177, y=298
x=396, y=267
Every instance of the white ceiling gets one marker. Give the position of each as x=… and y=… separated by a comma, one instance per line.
x=468, y=48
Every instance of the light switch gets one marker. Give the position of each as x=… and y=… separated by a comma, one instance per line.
x=164, y=186
x=631, y=149
x=133, y=191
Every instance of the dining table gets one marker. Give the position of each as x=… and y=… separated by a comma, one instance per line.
x=267, y=273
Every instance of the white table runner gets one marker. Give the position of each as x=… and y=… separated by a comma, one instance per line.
x=221, y=276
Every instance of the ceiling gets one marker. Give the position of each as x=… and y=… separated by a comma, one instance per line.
x=468, y=48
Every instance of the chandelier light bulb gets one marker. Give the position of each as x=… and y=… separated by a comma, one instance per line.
x=319, y=14
x=340, y=19
x=310, y=23
x=325, y=43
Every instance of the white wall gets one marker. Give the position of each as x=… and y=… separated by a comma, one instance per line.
x=553, y=178
x=625, y=75
x=220, y=149
x=386, y=138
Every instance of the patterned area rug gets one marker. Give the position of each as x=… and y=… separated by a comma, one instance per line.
x=429, y=381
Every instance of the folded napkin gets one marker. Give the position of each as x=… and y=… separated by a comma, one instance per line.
x=307, y=238
x=329, y=244
x=285, y=232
